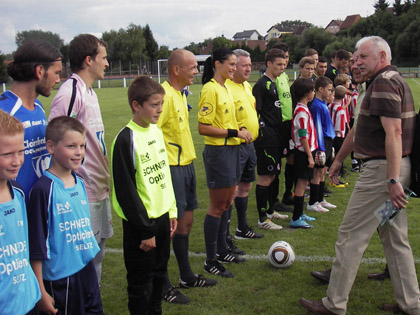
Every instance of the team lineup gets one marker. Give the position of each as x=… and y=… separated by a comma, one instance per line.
x=55, y=175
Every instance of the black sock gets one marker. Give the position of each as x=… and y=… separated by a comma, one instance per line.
x=241, y=204
x=274, y=193
x=167, y=281
x=261, y=193
x=180, y=245
x=289, y=177
x=298, y=207
x=313, y=194
x=211, y=229
x=221, y=236
x=321, y=191
x=229, y=211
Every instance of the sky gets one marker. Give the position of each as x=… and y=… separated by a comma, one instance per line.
x=174, y=23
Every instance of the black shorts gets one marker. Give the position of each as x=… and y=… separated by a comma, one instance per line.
x=328, y=153
x=222, y=165
x=268, y=160
x=184, y=183
x=248, y=161
x=302, y=171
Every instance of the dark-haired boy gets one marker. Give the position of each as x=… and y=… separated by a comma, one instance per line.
x=143, y=197
x=321, y=67
x=35, y=70
x=338, y=64
x=273, y=138
x=77, y=99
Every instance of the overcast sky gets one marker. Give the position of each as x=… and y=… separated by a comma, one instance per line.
x=174, y=23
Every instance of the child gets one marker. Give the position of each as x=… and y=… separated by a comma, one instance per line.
x=345, y=81
x=325, y=135
x=18, y=285
x=338, y=117
x=304, y=138
x=62, y=242
x=143, y=197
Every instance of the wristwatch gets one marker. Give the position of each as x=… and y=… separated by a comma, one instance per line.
x=393, y=181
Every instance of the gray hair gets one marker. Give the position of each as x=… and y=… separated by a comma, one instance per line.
x=379, y=44
x=240, y=52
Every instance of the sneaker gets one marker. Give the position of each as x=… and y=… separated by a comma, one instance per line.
x=230, y=257
x=281, y=207
x=216, y=268
x=246, y=234
x=300, y=224
x=307, y=217
x=199, y=281
x=276, y=215
x=174, y=296
x=328, y=205
x=343, y=183
x=232, y=246
x=268, y=225
x=339, y=185
x=316, y=207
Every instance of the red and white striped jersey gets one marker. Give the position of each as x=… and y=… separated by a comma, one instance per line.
x=303, y=127
x=338, y=117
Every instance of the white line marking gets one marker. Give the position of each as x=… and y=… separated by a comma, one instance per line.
x=416, y=81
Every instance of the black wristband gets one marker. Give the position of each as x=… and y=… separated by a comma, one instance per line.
x=232, y=133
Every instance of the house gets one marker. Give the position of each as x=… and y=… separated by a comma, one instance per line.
x=334, y=26
x=247, y=35
x=278, y=30
x=349, y=21
x=252, y=43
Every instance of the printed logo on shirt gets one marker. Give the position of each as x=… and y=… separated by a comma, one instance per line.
x=144, y=158
x=277, y=104
x=241, y=109
x=151, y=142
x=206, y=109
x=9, y=211
x=1, y=230
x=63, y=208
x=41, y=163
x=26, y=124
x=38, y=122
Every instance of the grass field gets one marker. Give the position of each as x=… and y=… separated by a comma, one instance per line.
x=257, y=288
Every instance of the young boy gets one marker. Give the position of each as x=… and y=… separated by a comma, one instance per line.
x=304, y=138
x=143, y=197
x=62, y=242
x=325, y=135
x=338, y=117
x=18, y=285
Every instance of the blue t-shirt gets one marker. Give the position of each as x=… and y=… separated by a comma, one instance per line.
x=37, y=158
x=59, y=227
x=322, y=121
x=18, y=284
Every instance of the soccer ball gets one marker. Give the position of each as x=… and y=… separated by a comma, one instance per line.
x=281, y=255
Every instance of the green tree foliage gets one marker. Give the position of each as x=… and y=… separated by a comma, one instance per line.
x=53, y=38
x=152, y=47
x=398, y=7
x=408, y=44
x=381, y=5
x=316, y=38
x=194, y=48
x=4, y=77
x=221, y=42
x=164, y=52
x=296, y=22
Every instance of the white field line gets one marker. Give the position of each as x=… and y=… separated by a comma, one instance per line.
x=416, y=81
x=373, y=260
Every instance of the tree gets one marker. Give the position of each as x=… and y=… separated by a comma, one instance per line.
x=407, y=44
x=4, y=77
x=221, y=42
x=381, y=5
x=296, y=23
x=53, y=38
x=152, y=47
x=398, y=7
x=164, y=52
x=194, y=48
x=316, y=38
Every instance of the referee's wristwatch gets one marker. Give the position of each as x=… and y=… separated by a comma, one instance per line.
x=393, y=181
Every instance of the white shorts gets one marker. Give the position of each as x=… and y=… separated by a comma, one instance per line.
x=101, y=219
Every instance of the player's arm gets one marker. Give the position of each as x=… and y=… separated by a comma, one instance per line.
x=61, y=102
x=46, y=303
x=258, y=92
x=123, y=173
x=212, y=131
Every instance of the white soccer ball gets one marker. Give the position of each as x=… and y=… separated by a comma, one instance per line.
x=281, y=255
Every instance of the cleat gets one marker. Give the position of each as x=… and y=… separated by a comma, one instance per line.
x=300, y=224
x=268, y=225
x=326, y=204
x=199, y=281
x=216, y=268
x=276, y=215
x=230, y=258
x=174, y=296
x=316, y=207
x=307, y=217
x=247, y=234
x=232, y=246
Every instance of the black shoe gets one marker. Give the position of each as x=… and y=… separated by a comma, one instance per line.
x=174, y=296
x=216, y=268
x=287, y=199
x=323, y=276
x=327, y=191
x=232, y=246
x=247, y=234
x=230, y=257
x=281, y=207
x=380, y=276
x=355, y=168
x=199, y=281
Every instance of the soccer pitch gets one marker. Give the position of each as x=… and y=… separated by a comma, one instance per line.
x=257, y=288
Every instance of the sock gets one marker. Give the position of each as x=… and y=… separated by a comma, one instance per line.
x=321, y=191
x=211, y=229
x=313, y=194
x=298, y=207
x=229, y=211
x=274, y=193
x=221, y=237
x=180, y=245
x=167, y=281
x=289, y=177
x=241, y=204
x=261, y=193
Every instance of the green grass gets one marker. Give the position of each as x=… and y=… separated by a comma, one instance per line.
x=257, y=287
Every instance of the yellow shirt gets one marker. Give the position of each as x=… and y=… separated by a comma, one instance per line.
x=216, y=108
x=176, y=128
x=246, y=115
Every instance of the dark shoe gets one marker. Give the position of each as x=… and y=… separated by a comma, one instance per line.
x=174, y=296
x=216, y=268
x=394, y=308
x=323, y=276
x=379, y=276
x=199, y=281
x=230, y=258
x=316, y=306
x=281, y=207
x=232, y=246
x=247, y=233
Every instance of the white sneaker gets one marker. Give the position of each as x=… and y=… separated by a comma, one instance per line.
x=268, y=225
x=316, y=207
x=276, y=215
x=326, y=204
